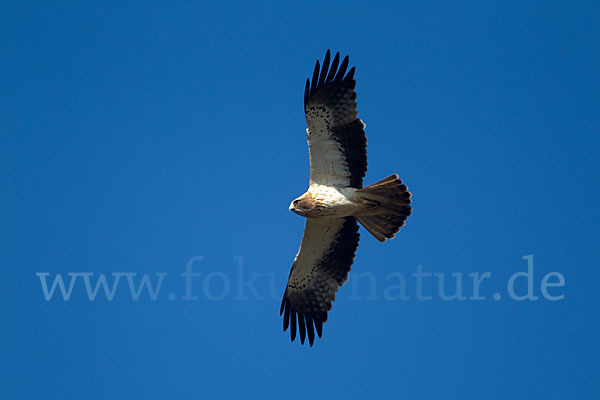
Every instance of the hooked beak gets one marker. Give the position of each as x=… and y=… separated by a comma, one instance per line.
x=296, y=209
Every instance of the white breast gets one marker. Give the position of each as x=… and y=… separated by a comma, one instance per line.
x=338, y=200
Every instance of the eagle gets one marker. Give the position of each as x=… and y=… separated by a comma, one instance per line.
x=335, y=199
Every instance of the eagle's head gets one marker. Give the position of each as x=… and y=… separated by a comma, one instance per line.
x=303, y=205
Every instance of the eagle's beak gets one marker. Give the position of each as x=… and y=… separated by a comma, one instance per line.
x=291, y=206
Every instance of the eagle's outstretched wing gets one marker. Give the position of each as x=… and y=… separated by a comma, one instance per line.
x=336, y=136
x=320, y=268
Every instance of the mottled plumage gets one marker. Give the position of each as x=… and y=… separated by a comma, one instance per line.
x=335, y=199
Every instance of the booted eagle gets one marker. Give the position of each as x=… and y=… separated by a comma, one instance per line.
x=335, y=200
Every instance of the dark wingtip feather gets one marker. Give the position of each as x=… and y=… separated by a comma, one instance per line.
x=342, y=71
x=350, y=74
x=282, y=306
x=319, y=327
x=310, y=329
x=293, y=327
x=286, y=317
x=306, y=92
x=333, y=68
x=324, y=69
x=315, y=77
x=301, y=327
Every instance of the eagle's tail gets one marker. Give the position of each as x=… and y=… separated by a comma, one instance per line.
x=391, y=207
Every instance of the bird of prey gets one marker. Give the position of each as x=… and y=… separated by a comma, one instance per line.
x=335, y=199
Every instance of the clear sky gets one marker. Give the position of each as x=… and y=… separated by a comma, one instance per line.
x=152, y=137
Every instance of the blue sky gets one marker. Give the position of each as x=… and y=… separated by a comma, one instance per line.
x=136, y=138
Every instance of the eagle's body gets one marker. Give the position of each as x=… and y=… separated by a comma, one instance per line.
x=321, y=201
x=335, y=199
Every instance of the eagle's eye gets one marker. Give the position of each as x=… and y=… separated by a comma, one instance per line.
x=295, y=202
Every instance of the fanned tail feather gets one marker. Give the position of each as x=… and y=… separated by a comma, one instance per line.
x=392, y=200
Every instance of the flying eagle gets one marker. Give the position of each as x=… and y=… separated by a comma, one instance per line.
x=335, y=199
